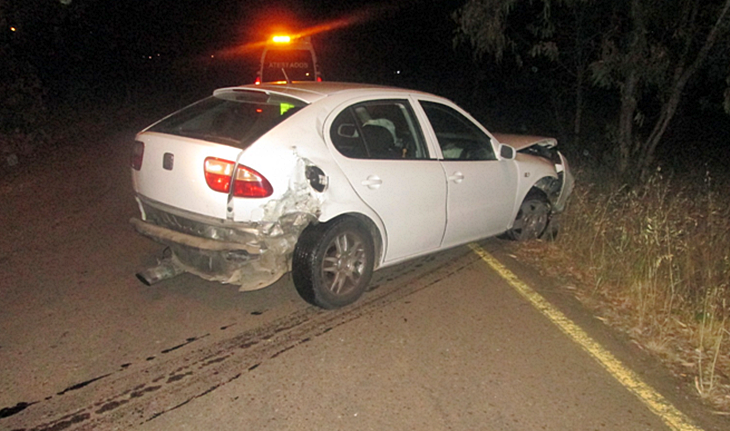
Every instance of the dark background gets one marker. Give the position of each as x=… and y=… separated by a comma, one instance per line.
x=116, y=44
x=111, y=47
x=151, y=56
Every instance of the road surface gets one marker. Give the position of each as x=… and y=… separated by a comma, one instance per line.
x=442, y=342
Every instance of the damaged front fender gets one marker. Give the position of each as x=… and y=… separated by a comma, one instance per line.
x=557, y=189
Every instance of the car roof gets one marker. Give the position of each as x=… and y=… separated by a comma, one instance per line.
x=311, y=92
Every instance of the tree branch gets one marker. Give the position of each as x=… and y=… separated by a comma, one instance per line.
x=670, y=106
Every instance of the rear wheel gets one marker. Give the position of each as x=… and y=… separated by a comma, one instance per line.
x=333, y=263
x=532, y=218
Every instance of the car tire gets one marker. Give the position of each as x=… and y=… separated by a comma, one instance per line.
x=333, y=263
x=532, y=219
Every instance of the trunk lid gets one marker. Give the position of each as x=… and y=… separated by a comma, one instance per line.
x=173, y=173
x=187, y=159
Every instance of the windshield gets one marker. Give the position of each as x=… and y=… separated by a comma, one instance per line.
x=297, y=63
x=237, y=117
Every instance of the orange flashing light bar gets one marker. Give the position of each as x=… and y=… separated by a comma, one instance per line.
x=281, y=39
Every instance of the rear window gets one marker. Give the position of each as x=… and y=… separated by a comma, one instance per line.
x=236, y=118
x=297, y=63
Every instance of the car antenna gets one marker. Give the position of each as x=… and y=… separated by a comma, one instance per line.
x=286, y=77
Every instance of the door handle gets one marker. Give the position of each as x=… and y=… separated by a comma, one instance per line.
x=457, y=177
x=372, y=182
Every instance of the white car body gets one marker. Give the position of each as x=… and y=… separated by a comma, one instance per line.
x=410, y=206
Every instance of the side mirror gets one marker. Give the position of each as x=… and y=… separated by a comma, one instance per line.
x=506, y=152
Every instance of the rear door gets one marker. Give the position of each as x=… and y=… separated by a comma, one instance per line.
x=288, y=65
x=380, y=147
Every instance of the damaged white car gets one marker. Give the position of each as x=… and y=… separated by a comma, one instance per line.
x=332, y=181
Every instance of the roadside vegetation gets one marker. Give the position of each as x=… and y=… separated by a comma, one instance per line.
x=632, y=85
x=653, y=260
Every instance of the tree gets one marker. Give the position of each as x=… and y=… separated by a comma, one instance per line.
x=651, y=50
x=645, y=50
x=526, y=31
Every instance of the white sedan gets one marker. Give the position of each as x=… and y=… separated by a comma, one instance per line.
x=332, y=181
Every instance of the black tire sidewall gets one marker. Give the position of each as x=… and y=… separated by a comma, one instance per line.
x=531, y=197
x=308, y=259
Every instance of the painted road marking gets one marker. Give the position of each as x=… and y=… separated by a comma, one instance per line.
x=672, y=417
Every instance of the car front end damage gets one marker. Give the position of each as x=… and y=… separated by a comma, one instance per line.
x=252, y=254
x=558, y=188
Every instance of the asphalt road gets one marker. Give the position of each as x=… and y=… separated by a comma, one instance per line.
x=442, y=342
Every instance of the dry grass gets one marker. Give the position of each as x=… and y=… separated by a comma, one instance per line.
x=655, y=261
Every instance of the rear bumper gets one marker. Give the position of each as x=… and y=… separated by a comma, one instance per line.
x=216, y=250
x=171, y=237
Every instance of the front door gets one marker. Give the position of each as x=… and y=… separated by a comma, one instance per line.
x=481, y=189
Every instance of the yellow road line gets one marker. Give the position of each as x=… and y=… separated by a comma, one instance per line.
x=674, y=419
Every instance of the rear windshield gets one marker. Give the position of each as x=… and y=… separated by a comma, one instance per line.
x=236, y=118
x=297, y=63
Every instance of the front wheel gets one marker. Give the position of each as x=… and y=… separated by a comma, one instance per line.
x=333, y=263
x=532, y=218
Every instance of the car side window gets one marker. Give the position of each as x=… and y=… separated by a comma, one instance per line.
x=458, y=137
x=382, y=129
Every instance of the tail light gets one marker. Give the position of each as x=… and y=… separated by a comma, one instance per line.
x=137, y=155
x=247, y=183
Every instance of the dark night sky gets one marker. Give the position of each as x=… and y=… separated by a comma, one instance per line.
x=162, y=44
x=190, y=46
x=177, y=51
x=180, y=50
x=414, y=37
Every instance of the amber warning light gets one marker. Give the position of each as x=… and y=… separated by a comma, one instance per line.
x=281, y=39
